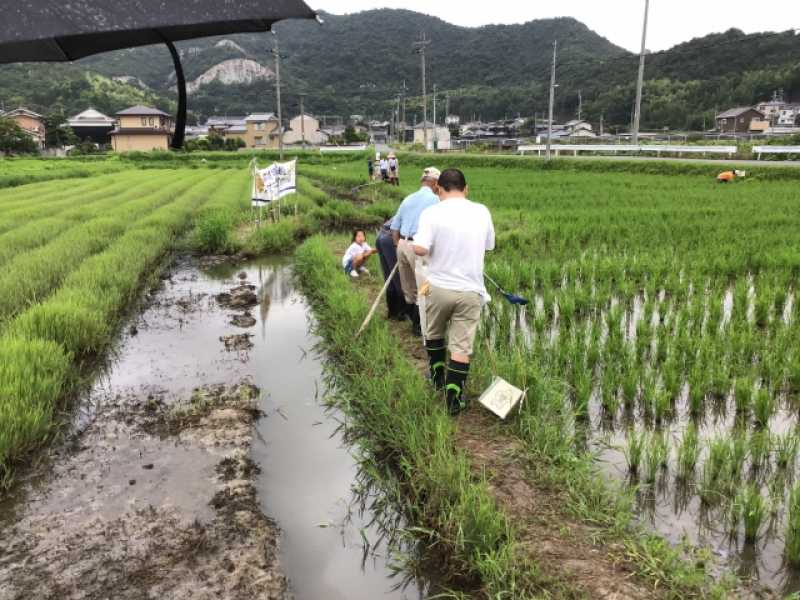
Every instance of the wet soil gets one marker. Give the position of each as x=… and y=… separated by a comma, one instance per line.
x=155, y=500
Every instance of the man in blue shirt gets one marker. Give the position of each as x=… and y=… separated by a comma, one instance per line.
x=404, y=228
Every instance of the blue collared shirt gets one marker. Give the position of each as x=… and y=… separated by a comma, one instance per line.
x=406, y=221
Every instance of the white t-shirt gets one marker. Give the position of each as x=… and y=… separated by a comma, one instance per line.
x=456, y=233
x=384, y=165
x=353, y=251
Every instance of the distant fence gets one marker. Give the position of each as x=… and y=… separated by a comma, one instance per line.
x=327, y=149
x=629, y=148
x=759, y=150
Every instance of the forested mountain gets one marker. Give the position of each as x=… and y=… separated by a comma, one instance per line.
x=358, y=64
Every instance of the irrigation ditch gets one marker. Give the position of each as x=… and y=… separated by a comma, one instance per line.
x=200, y=468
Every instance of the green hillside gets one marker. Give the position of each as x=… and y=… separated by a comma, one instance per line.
x=358, y=64
x=69, y=88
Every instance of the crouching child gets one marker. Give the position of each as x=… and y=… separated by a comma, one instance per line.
x=355, y=259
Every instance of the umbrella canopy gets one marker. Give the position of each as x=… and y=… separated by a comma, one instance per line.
x=43, y=30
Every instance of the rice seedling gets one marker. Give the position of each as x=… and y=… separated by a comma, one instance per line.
x=753, y=510
x=634, y=450
x=630, y=386
x=584, y=387
x=738, y=457
x=792, y=544
x=672, y=377
x=657, y=457
x=764, y=407
x=662, y=406
x=786, y=447
x=760, y=450
x=716, y=471
x=688, y=453
x=697, y=392
x=762, y=310
x=743, y=396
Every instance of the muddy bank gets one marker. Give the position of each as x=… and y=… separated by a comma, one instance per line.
x=156, y=500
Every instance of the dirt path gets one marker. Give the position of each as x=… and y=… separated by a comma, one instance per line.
x=562, y=546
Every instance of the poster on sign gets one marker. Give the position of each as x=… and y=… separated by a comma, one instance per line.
x=273, y=183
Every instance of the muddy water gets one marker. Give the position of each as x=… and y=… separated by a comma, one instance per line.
x=175, y=346
x=306, y=478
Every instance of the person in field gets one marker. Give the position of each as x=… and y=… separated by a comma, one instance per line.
x=394, y=170
x=730, y=176
x=387, y=253
x=370, y=169
x=385, y=169
x=454, y=235
x=357, y=254
x=404, y=228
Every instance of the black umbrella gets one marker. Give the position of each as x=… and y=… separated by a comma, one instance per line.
x=44, y=30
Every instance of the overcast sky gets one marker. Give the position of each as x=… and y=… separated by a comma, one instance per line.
x=671, y=21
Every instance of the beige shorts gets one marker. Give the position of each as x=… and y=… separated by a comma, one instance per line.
x=407, y=260
x=458, y=312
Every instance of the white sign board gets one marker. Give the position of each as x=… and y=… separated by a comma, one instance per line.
x=501, y=397
x=274, y=182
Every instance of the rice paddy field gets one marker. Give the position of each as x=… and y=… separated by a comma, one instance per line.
x=661, y=343
x=661, y=338
x=74, y=254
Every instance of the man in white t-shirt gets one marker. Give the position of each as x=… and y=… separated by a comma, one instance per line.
x=455, y=235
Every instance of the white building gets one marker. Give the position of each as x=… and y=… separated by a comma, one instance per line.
x=788, y=116
x=305, y=126
x=436, y=133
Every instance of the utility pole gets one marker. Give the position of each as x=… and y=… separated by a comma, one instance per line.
x=637, y=118
x=403, y=93
x=397, y=121
x=552, y=100
x=303, y=119
x=277, y=54
x=420, y=46
x=602, y=116
x=580, y=105
x=435, y=132
x=447, y=105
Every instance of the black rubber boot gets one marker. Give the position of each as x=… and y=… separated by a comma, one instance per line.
x=397, y=307
x=437, y=355
x=416, y=326
x=455, y=385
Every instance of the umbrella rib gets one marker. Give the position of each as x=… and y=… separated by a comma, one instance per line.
x=61, y=49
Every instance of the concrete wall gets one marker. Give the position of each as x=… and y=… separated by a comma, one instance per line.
x=139, y=143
